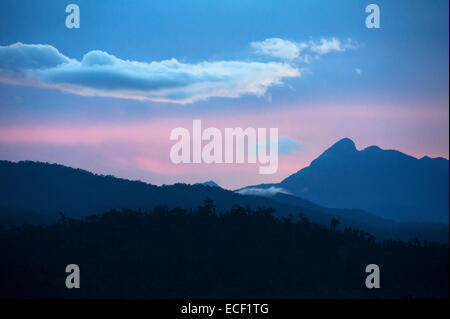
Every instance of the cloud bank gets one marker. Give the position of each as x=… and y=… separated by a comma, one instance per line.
x=102, y=74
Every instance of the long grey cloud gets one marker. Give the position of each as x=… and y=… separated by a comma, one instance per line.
x=102, y=74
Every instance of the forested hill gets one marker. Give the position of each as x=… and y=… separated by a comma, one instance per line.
x=242, y=253
x=29, y=190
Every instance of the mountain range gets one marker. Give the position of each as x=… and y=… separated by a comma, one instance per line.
x=35, y=192
x=387, y=183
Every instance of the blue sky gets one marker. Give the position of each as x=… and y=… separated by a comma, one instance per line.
x=407, y=57
x=403, y=65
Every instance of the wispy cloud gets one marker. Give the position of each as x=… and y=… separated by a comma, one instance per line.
x=301, y=51
x=256, y=191
x=102, y=74
x=325, y=46
x=277, y=48
x=286, y=145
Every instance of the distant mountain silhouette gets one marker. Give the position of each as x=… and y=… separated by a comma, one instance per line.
x=209, y=183
x=32, y=189
x=388, y=183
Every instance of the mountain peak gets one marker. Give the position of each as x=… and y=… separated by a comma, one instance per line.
x=209, y=183
x=341, y=149
x=372, y=148
x=344, y=145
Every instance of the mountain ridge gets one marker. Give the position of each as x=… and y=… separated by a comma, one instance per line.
x=388, y=183
x=51, y=189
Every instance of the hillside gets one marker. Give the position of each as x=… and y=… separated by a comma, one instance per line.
x=242, y=253
x=41, y=189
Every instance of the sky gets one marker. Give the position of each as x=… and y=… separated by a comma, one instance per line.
x=104, y=97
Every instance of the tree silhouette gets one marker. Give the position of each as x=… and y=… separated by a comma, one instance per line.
x=240, y=253
x=334, y=223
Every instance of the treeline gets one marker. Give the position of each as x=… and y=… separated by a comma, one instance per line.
x=243, y=253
